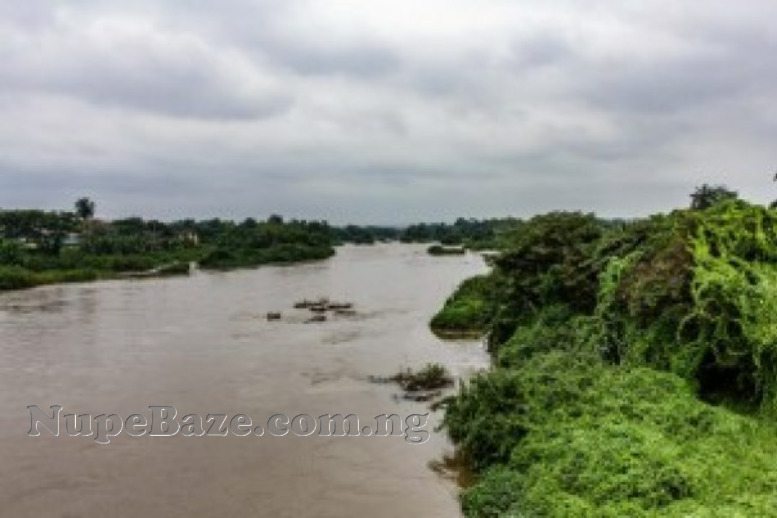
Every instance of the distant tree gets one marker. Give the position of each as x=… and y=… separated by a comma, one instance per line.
x=708, y=195
x=11, y=252
x=275, y=219
x=85, y=208
x=774, y=203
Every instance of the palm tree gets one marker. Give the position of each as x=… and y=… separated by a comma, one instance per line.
x=708, y=195
x=85, y=208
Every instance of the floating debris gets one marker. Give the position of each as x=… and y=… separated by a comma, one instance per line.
x=340, y=305
x=424, y=385
x=432, y=376
x=309, y=304
x=446, y=250
x=322, y=305
x=421, y=396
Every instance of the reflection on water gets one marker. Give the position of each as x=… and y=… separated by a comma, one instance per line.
x=204, y=345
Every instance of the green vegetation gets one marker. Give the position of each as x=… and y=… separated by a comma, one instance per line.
x=568, y=435
x=253, y=243
x=364, y=235
x=15, y=277
x=635, y=367
x=38, y=247
x=469, y=311
x=708, y=195
x=470, y=233
x=85, y=208
x=430, y=377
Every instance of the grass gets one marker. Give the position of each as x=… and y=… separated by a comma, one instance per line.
x=81, y=267
x=468, y=311
x=14, y=277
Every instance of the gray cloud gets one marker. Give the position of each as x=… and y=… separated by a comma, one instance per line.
x=131, y=64
x=383, y=111
x=359, y=60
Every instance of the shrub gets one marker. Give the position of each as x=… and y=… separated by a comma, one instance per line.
x=470, y=309
x=575, y=421
x=14, y=277
x=432, y=376
x=566, y=435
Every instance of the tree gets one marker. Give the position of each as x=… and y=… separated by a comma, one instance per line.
x=85, y=208
x=774, y=203
x=707, y=195
x=249, y=223
x=11, y=252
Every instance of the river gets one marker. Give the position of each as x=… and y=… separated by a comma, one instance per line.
x=202, y=344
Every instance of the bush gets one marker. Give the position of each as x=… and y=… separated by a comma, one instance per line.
x=432, y=376
x=566, y=435
x=554, y=328
x=693, y=292
x=14, y=277
x=574, y=421
x=470, y=309
x=137, y=245
x=700, y=302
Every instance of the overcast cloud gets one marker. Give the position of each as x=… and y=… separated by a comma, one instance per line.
x=384, y=111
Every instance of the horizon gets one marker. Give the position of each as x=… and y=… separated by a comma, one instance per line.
x=398, y=225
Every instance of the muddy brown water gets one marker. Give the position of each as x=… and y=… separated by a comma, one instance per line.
x=203, y=344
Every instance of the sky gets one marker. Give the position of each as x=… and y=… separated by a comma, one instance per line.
x=384, y=112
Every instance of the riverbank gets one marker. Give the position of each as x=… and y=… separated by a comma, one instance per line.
x=633, y=368
x=17, y=277
x=38, y=247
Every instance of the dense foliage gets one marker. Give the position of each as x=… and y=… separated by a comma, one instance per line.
x=566, y=435
x=612, y=342
x=252, y=243
x=38, y=247
x=471, y=233
x=364, y=235
x=707, y=195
